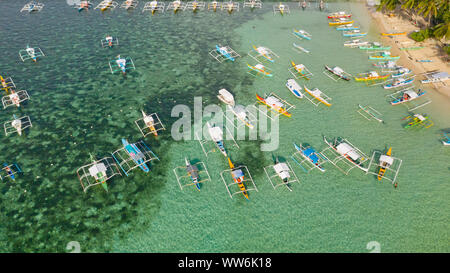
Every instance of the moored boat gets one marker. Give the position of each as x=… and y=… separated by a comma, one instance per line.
x=275, y=104
x=385, y=161
x=371, y=76
x=340, y=21
x=317, y=94
x=310, y=154
x=226, y=97
x=407, y=95
x=338, y=72
x=302, y=34
x=398, y=83
x=339, y=14
x=385, y=55
x=375, y=46
x=293, y=86
x=238, y=177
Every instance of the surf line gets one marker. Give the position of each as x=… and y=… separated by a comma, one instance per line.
x=193, y=263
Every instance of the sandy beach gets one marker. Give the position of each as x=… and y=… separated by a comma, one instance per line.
x=409, y=57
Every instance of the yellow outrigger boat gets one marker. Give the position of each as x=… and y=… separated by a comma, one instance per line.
x=340, y=22
x=393, y=33
x=300, y=69
x=274, y=104
x=371, y=76
x=238, y=177
x=317, y=94
x=384, y=164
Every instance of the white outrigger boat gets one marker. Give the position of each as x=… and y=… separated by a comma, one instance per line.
x=15, y=98
x=154, y=6
x=281, y=8
x=436, y=77
x=230, y=6
x=399, y=82
x=195, y=5
x=109, y=41
x=295, y=88
x=30, y=53
x=299, y=48
x=121, y=64
x=355, y=43
x=216, y=134
x=344, y=153
x=17, y=125
x=213, y=5
x=176, y=6
x=401, y=72
x=149, y=124
x=32, y=6
x=107, y=4
x=129, y=4
x=226, y=97
x=252, y=4
x=242, y=115
x=283, y=171
x=318, y=95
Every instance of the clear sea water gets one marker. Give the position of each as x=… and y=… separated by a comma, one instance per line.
x=77, y=106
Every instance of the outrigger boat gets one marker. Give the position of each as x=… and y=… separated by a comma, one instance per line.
x=281, y=8
x=241, y=114
x=401, y=71
x=195, y=6
x=347, y=151
x=107, y=4
x=129, y=4
x=301, y=70
x=390, y=65
x=213, y=5
x=260, y=69
x=7, y=84
x=252, y=4
x=192, y=171
x=149, y=122
x=370, y=76
x=83, y=5
x=17, y=125
x=393, y=33
x=436, y=77
x=355, y=43
x=121, y=64
x=98, y=171
x=338, y=72
x=223, y=50
x=385, y=161
x=109, y=41
x=176, y=6
x=406, y=96
x=15, y=98
x=154, y=6
x=374, y=46
x=339, y=14
x=300, y=48
x=226, y=97
x=354, y=33
x=216, y=134
x=264, y=52
x=11, y=170
x=274, y=103
x=238, y=177
x=398, y=83
x=135, y=154
x=446, y=142
x=310, y=155
x=230, y=6
x=322, y=5
x=302, y=34
x=418, y=119
x=294, y=87
x=340, y=21
x=385, y=55
x=32, y=6
x=30, y=53
x=318, y=95
x=347, y=27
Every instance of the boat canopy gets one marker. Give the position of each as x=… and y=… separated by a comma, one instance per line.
x=346, y=149
x=386, y=159
x=337, y=69
x=216, y=133
x=420, y=117
x=237, y=173
x=274, y=101
x=226, y=95
x=97, y=168
x=373, y=74
x=282, y=170
x=411, y=94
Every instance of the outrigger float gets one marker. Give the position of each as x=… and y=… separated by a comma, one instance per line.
x=154, y=6
x=283, y=171
x=216, y=135
x=223, y=53
x=263, y=54
x=260, y=70
x=301, y=34
x=355, y=43
x=354, y=33
x=7, y=84
x=339, y=14
x=192, y=174
x=107, y=4
x=195, y=5
x=317, y=95
x=129, y=4
x=344, y=155
x=398, y=82
x=375, y=46
x=336, y=73
x=408, y=95
x=17, y=125
x=230, y=6
x=446, y=142
x=295, y=88
x=15, y=98
x=32, y=7
x=133, y=155
x=30, y=53
x=308, y=158
x=418, y=120
x=213, y=5
x=11, y=170
x=340, y=22
x=384, y=55
x=299, y=48
x=121, y=64
x=240, y=176
x=176, y=6
x=281, y=8
x=370, y=77
x=300, y=71
x=149, y=124
x=369, y=113
x=83, y=5
x=252, y=4
x=275, y=104
x=109, y=41
x=98, y=172
x=387, y=167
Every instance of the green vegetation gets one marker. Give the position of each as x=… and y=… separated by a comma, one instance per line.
x=436, y=12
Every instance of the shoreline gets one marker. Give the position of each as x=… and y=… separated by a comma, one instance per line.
x=408, y=58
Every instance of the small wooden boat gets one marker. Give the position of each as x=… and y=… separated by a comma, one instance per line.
x=355, y=43
x=259, y=68
x=418, y=119
x=275, y=104
x=401, y=71
x=311, y=155
x=375, y=46
x=412, y=48
x=192, y=171
x=385, y=55
x=347, y=27
x=370, y=76
x=300, y=48
x=226, y=97
x=302, y=34
x=398, y=83
x=338, y=72
x=294, y=87
x=317, y=94
x=340, y=21
x=385, y=161
x=446, y=142
x=238, y=177
x=393, y=33
x=407, y=95
x=354, y=33
x=301, y=70
x=98, y=171
x=339, y=14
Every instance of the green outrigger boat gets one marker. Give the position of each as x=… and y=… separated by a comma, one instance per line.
x=375, y=46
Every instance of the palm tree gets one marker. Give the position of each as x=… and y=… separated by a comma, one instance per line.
x=428, y=8
x=388, y=4
x=442, y=30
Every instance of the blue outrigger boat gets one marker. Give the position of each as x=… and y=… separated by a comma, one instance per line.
x=9, y=171
x=347, y=28
x=446, y=142
x=354, y=33
x=223, y=51
x=136, y=154
x=302, y=34
x=310, y=155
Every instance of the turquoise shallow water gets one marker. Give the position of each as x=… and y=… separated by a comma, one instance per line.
x=78, y=107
